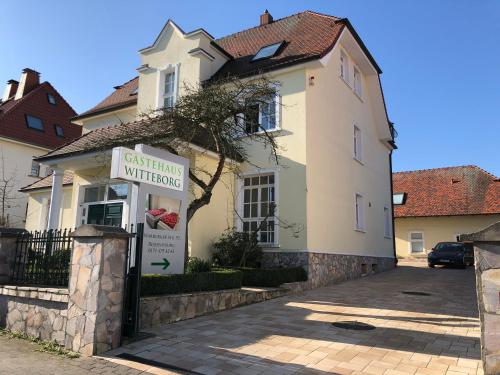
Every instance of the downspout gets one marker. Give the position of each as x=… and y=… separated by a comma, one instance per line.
x=392, y=210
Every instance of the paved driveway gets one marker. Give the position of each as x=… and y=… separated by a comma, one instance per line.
x=414, y=334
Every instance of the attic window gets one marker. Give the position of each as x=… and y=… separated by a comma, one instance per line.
x=135, y=91
x=34, y=122
x=59, y=130
x=51, y=99
x=267, y=51
x=398, y=199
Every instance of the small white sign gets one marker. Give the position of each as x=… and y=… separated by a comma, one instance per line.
x=135, y=166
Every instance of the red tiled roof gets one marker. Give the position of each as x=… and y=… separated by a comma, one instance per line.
x=46, y=182
x=465, y=190
x=13, y=118
x=307, y=35
x=123, y=95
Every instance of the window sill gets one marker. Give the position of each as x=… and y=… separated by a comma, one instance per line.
x=272, y=131
x=269, y=245
x=358, y=160
x=388, y=237
x=359, y=230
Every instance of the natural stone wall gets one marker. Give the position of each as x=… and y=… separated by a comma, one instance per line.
x=96, y=289
x=38, y=312
x=324, y=269
x=175, y=307
x=487, y=264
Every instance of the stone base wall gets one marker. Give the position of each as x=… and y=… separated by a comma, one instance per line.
x=176, y=307
x=324, y=269
x=38, y=312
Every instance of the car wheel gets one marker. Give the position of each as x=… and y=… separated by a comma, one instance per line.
x=432, y=265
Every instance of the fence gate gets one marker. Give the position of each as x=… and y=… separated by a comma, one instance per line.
x=132, y=289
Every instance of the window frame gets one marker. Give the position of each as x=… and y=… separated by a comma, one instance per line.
x=357, y=143
x=344, y=67
x=411, y=241
x=403, y=199
x=82, y=211
x=240, y=201
x=26, y=116
x=357, y=86
x=50, y=95
x=359, y=213
x=162, y=74
x=56, y=126
x=278, y=47
x=38, y=169
x=277, y=112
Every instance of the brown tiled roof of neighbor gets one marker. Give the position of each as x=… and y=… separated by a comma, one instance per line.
x=123, y=96
x=307, y=35
x=464, y=190
x=13, y=123
x=46, y=182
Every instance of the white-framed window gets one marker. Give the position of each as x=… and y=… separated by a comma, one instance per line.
x=169, y=90
x=358, y=90
x=35, y=169
x=357, y=143
x=359, y=213
x=104, y=204
x=344, y=67
x=416, y=242
x=265, y=114
x=258, y=204
x=387, y=222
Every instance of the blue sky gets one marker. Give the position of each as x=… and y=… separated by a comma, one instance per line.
x=440, y=59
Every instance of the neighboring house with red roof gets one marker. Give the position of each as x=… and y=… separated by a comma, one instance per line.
x=328, y=116
x=34, y=119
x=436, y=205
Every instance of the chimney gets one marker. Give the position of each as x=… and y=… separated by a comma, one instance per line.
x=29, y=80
x=266, y=18
x=10, y=89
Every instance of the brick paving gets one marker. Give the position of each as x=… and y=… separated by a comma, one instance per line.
x=420, y=335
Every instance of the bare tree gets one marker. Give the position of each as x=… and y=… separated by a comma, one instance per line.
x=8, y=193
x=223, y=117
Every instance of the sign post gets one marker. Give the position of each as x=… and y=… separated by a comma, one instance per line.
x=159, y=200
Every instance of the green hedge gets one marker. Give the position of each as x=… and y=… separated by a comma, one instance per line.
x=272, y=277
x=154, y=285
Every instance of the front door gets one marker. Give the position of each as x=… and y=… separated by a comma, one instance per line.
x=105, y=214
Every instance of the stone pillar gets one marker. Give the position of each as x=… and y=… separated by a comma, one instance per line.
x=96, y=288
x=7, y=251
x=56, y=198
x=487, y=263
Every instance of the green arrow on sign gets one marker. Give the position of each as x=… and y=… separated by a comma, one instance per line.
x=163, y=264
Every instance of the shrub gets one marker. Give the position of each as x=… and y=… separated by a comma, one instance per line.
x=197, y=265
x=237, y=249
x=272, y=277
x=154, y=285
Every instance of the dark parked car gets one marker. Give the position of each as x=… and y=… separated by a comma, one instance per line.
x=451, y=253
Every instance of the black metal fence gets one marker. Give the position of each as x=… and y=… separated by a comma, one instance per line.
x=42, y=258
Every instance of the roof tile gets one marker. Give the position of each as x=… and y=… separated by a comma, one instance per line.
x=464, y=190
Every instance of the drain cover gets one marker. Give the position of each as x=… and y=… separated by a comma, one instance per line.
x=417, y=293
x=358, y=326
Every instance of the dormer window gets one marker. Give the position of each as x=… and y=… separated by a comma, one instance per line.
x=59, y=130
x=34, y=122
x=168, y=94
x=267, y=51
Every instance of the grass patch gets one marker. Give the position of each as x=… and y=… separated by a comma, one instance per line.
x=44, y=346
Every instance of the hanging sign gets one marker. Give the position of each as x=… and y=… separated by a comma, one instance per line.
x=159, y=200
